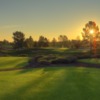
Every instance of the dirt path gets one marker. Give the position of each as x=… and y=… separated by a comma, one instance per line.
x=78, y=64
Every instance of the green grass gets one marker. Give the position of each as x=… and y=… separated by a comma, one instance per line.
x=57, y=83
x=13, y=62
x=91, y=60
x=43, y=51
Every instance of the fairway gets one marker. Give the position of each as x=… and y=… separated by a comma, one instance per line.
x=62, y=83
x=49, y=50
x=13, y=62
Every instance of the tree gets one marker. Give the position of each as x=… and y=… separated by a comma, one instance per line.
x=46, y=42
x=43, y=42
x=36, y=44
x=18, y=38
x=6, y=44
x=29, y=43
x=76, y=43
x=91, y=31
x=54, y=42
x=63, y=40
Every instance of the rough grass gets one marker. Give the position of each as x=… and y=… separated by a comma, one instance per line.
x=43, y=51
x=13, y=62
x=71, y=83
x=91, y=60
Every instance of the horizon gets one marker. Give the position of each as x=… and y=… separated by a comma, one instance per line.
x=47, y=18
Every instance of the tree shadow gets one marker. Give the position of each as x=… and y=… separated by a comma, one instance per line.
x=30, y=90
x=56, y=84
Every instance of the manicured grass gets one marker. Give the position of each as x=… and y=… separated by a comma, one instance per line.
x=91, y=60
x=57, y=83
x=43, y=51
x=13, y=62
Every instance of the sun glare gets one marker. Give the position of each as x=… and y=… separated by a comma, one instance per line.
x=91, y=31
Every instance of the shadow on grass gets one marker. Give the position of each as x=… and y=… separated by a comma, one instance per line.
x=57, y=84
x=27, y=70
x=47, y=69
x=29, y=90
x=7, y=63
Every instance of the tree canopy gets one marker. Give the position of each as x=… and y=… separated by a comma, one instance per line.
x=18, y=38
x=90, y=31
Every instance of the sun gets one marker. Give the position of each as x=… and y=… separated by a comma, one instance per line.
x=92, y=31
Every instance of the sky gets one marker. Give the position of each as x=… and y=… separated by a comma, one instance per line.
x=50, y=18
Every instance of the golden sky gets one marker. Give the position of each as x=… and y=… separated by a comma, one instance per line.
x=50, y=18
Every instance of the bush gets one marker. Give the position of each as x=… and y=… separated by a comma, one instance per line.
x=72, y=59
x=34, y=61
x=51, y=59
x=44, y=62
x=64, y=60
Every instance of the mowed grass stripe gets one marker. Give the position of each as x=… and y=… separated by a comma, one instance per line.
x=51, y=84
x=13, y=62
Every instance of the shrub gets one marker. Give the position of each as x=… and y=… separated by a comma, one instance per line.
x=51, y=59
x=44, y=62
x=64, y=60
x=34, y=61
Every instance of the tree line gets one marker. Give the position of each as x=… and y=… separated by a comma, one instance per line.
x=20, y=42
x=89, y=34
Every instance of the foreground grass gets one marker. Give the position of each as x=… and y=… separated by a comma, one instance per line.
x=57, y=83
x=91, y=60
x=13, y=62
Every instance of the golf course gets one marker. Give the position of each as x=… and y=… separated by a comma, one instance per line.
x=53, y=82
x=49, y=49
